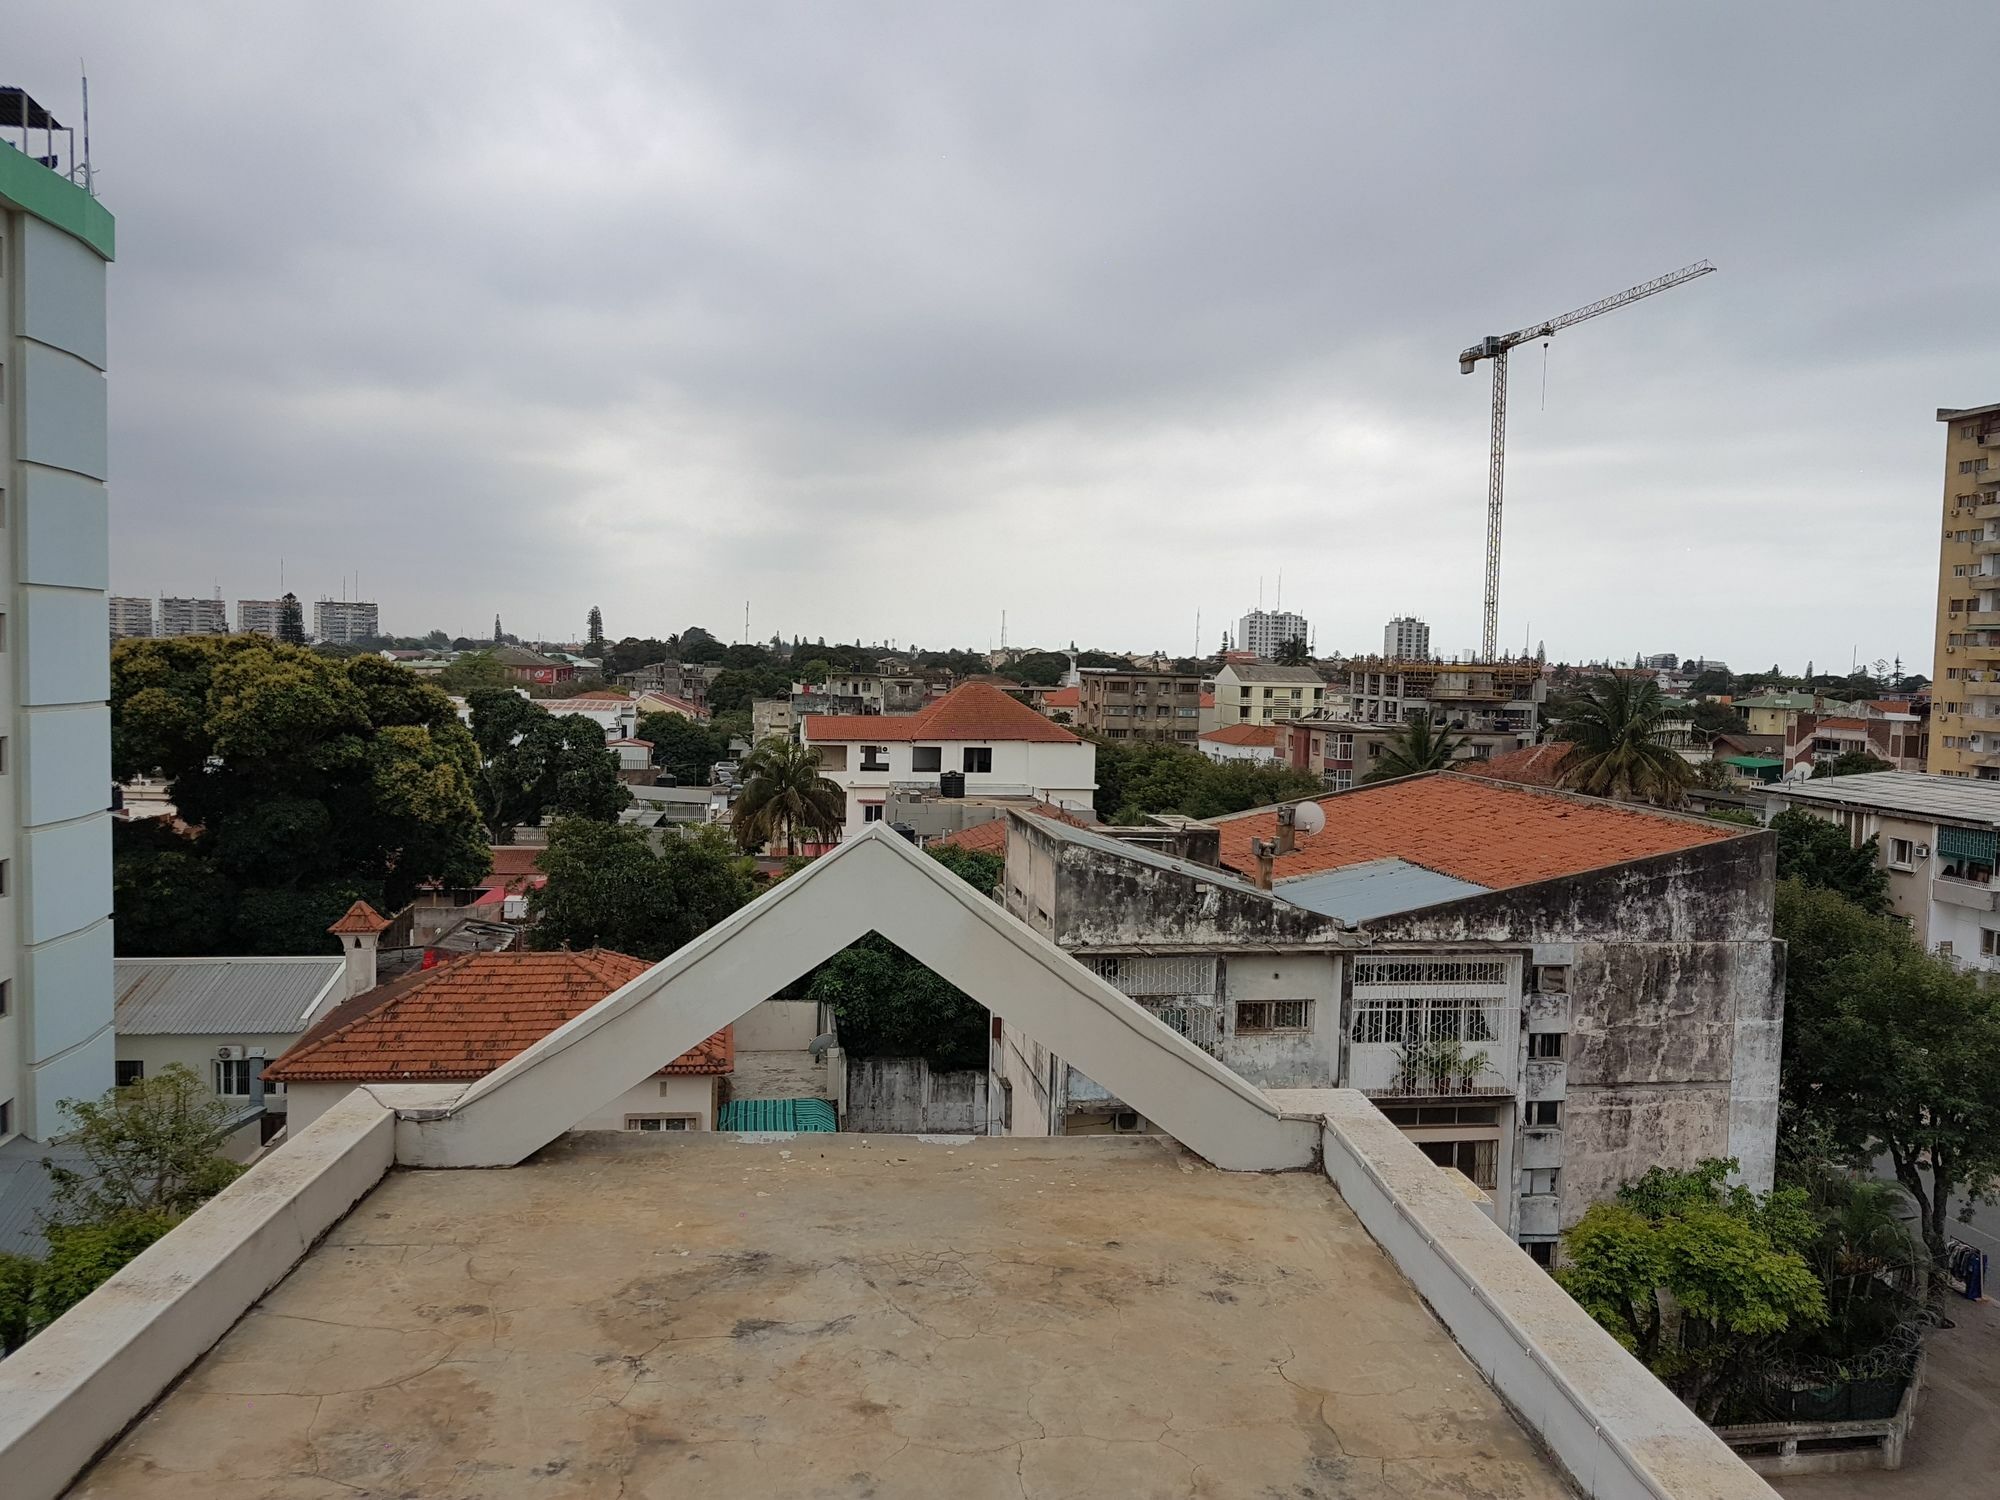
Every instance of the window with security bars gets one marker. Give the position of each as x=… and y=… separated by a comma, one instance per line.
x=1181, y=991
x=1427, y=971
x=1253, y=1016
x=1447, y=1019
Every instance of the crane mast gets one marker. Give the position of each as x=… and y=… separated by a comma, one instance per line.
x=1495, y=348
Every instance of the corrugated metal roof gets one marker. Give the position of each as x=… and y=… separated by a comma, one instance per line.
x=1956, y=797
x=27, y=1194
x=777, y=1115
x=195, y=996
x=1376, y=888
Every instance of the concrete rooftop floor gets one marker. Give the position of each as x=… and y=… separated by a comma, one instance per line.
x=835, y=1316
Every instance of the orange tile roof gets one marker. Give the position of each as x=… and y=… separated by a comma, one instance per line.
x=466, y=1017
x=975, y=711
x=990, y=837
x=1533, y=765
x=359, y=918
x=1208, y=700
x=1066, y=697
x=1265, y=735
x=1492, y=833
x=606, y=695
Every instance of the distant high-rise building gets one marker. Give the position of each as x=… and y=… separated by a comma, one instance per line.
x=259, y=615
x=1966, y=667
x=130, y=616
x=1406, y=638
x=341, y=622
x=1265, y=630
x=55, y=831
x=193, y=617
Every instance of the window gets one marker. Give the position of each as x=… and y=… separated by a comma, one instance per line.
x=979, y=760
x=871, y=812
x=874, y=757
x=1546, y=1046
x=6, y=1117
x=1540, y=1181
x=124, y=1074
x=1545, y=1113
x=1273, y=1015
x=232, y=1074
x=1902, y=853
x=1476, y=1159
x=927, y=758
x=1989, y=943
x=1541, y=1252
x=1944, y=950
x=659, y=1122
x=6, y=996
x=1006, y=1106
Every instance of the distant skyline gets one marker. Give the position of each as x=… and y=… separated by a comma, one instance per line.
x=889, y=317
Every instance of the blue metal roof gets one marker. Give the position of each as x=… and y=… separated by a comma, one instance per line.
x=782, y=1115
x=1376, y=888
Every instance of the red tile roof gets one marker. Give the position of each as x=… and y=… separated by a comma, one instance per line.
x=466, y=1017
x=990, y=837
x=359, y=918
x=1535, y=765
x=1492, y=833
x=1065, y=697
x=975, y=711
x=1265, y=735
x=1208, y=700
x=605, y=695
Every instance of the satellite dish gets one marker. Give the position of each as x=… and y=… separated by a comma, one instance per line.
x=1308, y=817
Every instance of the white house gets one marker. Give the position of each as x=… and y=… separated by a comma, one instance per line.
x=1261, y=693
x=1256, y=743
x=996, y=743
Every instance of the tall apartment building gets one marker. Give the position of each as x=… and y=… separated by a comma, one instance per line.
x=1406, y=638
x=341, y=622
x=260, y=615
x=130, y=617
x=1265, y=630
x=1140, y=705
x=1965, y=688
x=193, y=617
x=1502, y=697
x=55, y=727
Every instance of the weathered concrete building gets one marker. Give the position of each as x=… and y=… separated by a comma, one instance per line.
x=1549, y=993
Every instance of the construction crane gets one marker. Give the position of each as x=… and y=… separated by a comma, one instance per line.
x=1495, y=347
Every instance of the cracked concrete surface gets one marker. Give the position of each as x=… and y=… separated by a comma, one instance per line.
x=836, y=1316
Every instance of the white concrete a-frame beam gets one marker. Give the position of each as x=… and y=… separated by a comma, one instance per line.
x=875, y=883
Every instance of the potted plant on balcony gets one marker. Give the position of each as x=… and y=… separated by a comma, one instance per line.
x=1437, y=1065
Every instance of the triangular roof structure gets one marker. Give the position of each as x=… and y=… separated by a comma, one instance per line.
x=875, y=883
x=360, y=918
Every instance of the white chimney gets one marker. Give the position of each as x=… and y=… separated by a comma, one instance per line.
x=360, y=932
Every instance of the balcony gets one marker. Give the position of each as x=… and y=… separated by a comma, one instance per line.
x=1987, y=547
x=1966, y=894
x=1437, y=1069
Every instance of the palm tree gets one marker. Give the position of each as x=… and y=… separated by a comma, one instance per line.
x=784, y=795
x=1613, y=729
x=1294, y=653
x=1419, y=748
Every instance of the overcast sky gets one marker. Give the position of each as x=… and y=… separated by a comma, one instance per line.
x=887, y=318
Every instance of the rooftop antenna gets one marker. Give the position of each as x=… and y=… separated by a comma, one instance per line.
x=1197, y=630
x=89, y=177
x=1279, y=603
x=1003, y=630
x=746, y=622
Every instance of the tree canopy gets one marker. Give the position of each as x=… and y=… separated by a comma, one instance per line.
x=1698, y=1279
x=684, y=748
x=301, y=783
x=475, y=669
x=1419, y=748
x=785, y=796
x=534, y=764
x=1817, y=852
x=609, y=887
x=1613, y=727
x=1039, y=668
x=1850, y=763
x=1136, y=777
x=736, y=688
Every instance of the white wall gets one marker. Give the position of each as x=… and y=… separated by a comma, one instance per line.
x=1065, y=774
x=778, y=1026
x=675, y=1094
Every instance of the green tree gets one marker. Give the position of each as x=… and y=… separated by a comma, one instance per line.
x=889, y=1005
x=82, y=1257
x=148, y=1148
x=301, y=782
x=815, y=672
x=608, y=887
x=534, y=764
x=476, y=669
x=748, y=659
x=593, y=634
x=699, y=647
x=1816, y=852
x=1712, y=683
x=733, y=691
x=1137, y=777
x=1419, y=748
x=1294, y=653
x=682, y=747
x=1040, y=668
x=1701, y=1281
x=1717, y=718
x=784, y=795
x=17, y=1299
x=976, y=868
x=1613, y=727
x=1850, y=763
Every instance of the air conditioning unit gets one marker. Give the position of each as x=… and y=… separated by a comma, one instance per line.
x=229, y=1054
x=1923, y=851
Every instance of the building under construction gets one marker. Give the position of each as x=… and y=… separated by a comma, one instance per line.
x=1499, y=697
